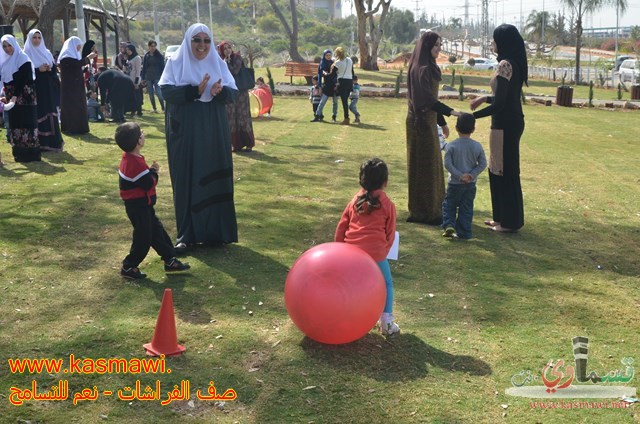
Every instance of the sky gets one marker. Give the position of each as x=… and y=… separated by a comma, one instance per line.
x=509, y=10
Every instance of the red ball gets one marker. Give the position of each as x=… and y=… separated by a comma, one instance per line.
x=335, y=293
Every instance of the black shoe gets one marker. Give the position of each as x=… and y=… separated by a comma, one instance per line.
x=139, y=113
x=175, y=265
x=333, y=118
x=316, y=118
x=132, y=273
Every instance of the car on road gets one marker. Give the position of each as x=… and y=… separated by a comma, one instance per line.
x=170, y=51
x=629, y=70
x=480, y=64
x=619, y=61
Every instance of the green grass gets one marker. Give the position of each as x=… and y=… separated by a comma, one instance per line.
x=501, y=303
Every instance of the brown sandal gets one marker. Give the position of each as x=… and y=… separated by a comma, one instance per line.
x=491, y=223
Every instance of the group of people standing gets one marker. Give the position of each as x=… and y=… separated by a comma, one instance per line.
x=424, y=161
x=335, y=79
x=30, y=82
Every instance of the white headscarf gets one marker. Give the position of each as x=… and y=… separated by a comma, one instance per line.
x=70, y=49
x=10, y=64
x=184, y=69
x=39, y=55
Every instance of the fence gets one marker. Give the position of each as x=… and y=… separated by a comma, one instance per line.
x=599, y=76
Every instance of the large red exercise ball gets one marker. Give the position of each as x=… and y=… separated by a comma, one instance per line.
x=335, y=293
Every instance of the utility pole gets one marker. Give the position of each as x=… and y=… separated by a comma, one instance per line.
x=156, y=36
x=466, y=13
x=198, y=11
x=617, y=27
x=485, y=28
x=82, y=32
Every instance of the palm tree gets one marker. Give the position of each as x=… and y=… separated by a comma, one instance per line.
x=534, y=28
x=579, y=8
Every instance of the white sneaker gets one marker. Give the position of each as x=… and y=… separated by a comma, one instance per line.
x=388, y=325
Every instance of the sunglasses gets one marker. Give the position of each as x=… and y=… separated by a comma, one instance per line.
x=201, y=40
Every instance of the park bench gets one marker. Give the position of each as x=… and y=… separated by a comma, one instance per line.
x=297, y=69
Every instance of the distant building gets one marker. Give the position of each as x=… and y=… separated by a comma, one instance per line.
x=333, y=7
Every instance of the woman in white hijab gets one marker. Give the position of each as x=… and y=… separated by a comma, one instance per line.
x=196, y=85
x=47, y=90
x=18, y=78
x=73, y=95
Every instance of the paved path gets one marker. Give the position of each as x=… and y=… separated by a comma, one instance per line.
x=301, y=90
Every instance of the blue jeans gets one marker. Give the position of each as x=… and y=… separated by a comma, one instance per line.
x=154, y=88
x=386, y=272
x=459, y=198
x=353, y=107
x=323, y=101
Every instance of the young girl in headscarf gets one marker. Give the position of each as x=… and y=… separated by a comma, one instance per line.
x=47, y=92
x=507, y=126
x=133, y=68
x=327, y=81
x=424, y=160
x=18, y=77
x=73, y=94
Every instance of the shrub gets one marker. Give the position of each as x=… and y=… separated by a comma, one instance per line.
x=452, y=59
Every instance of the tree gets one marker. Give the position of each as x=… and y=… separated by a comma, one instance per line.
x=7, y=11
x=292, y=31
x=365, y=12
x=120, y=18
x=580, y=7
x=538, y=29
x=400, y=26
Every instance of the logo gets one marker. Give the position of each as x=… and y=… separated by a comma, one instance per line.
x=574, y=380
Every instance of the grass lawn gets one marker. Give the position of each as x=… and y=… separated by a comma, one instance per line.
x=473, y=314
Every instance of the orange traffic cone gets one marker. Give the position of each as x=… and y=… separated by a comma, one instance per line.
x=165, y=339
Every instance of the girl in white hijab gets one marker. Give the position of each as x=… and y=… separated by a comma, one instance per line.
x=47, y=90
x=184, y=68
x=19, y=83
x=40, y=56
x=71, y=48
x=11, y=63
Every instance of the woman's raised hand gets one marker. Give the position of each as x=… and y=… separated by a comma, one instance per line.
x=216, y=88
x=203, y=84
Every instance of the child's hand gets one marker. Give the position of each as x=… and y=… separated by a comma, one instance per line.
x=155, y=166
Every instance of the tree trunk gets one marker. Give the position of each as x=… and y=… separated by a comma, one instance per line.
x=292, y=31
x=46, y=21
x=578, y=47
x=369, y=52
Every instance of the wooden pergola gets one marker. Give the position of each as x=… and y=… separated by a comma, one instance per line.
x=28, y=19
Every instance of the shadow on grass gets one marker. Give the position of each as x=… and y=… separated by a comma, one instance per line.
x=90, y=138
x=40, y=167
x=363, y=126
x=402, y=358
x=62, y=157
x=260, y=156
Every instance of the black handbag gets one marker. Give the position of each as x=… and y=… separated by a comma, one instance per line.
x=245, y=79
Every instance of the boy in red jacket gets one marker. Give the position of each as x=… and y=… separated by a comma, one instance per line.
x=138, y=190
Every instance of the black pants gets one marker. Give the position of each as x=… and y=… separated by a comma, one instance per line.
x=345, y=86
x=147, y=232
